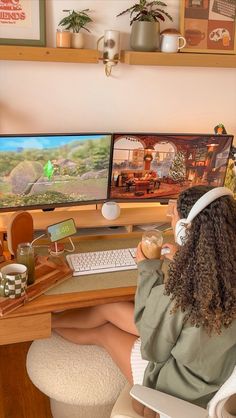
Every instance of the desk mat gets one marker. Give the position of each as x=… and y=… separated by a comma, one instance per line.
x=48, y=273
x=101, y=281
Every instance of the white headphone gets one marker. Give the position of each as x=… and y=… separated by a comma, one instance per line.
x=202, y=203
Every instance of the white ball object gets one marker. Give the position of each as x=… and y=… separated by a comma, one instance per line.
x=110, y=210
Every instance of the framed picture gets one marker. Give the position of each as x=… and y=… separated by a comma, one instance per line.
x=22, y=22
x=209, y=26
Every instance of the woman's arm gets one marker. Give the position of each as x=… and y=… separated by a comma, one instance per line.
x=150, y=275
x=159, y=329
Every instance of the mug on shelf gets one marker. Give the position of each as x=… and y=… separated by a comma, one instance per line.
x=172, y=42
x=13, y=280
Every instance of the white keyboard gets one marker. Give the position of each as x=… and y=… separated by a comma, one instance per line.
x=102, y=261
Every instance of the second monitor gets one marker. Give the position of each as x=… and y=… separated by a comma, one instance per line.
x=159, y=166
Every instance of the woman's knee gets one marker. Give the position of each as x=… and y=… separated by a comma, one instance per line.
x=104, y=334
x=120, y=314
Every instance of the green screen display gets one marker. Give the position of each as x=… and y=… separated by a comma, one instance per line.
x=62, y=230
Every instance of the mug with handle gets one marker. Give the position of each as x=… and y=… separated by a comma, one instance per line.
x=172, y=42
x=13, y=280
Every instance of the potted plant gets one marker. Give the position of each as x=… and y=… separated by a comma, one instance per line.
x=76, y=21
x=145, y=19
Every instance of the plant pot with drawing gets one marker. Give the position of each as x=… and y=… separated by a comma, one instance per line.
x=74, y=22
x=145, y=19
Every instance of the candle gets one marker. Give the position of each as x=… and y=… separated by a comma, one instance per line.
x=63, y=38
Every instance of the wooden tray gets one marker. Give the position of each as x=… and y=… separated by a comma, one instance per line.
x=49, y=272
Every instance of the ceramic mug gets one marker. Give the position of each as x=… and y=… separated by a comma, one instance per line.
x=172, y=42
x=13, y=280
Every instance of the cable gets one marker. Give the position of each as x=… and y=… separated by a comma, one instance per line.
x=60, y=248
x=72, y=247
x=56, y=252
x=40, y=236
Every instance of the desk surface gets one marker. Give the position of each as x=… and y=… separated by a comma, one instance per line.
x=33, y=320
x=88, y=290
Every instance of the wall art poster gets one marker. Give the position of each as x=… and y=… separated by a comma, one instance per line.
x=22, y=22
x=209, y=25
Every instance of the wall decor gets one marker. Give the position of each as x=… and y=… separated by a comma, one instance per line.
x=209, y=26
x=22, y=22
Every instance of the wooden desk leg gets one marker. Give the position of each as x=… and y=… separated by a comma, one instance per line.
x=19, y=398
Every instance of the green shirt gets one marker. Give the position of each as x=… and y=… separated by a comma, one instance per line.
x=184, y=361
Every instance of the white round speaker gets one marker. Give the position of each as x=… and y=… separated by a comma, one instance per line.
x=110, y=210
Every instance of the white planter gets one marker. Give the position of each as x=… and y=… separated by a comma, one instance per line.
x=77, y=40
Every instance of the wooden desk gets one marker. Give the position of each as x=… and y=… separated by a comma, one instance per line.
x=19, y=398
x=33, y=320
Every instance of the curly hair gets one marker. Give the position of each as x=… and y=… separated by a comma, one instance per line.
x=202, y=277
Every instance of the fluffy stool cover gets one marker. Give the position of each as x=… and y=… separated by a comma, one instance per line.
x=82, y=375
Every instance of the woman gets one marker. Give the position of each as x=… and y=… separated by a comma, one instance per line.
x=187, y=324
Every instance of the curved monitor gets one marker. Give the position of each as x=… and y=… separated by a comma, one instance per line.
x=51, y=170
x=157, y=167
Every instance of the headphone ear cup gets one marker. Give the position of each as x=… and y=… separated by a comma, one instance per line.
x=180, y=231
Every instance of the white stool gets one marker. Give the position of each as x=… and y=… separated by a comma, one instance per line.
x=81, y=381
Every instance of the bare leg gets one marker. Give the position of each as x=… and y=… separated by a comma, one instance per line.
x=116, y=342
x=120, y=314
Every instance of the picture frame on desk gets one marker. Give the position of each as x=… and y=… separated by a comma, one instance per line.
x=22, y=22
x=209, y=26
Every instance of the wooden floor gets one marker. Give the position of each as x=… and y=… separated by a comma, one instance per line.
x=19, y=398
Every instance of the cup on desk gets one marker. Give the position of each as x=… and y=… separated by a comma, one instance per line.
x=151, y=244
x=25, y=255
x=13, y=280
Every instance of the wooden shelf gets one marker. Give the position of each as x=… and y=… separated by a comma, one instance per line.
x=93, y=218
x=91, y=56
x=31, y=53
x=180, y=59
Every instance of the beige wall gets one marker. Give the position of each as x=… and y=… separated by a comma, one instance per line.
x=60, y=97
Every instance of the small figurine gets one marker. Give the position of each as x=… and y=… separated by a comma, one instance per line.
x=220, y=129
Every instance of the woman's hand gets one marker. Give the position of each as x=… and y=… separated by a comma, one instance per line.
x=172, y=250
x=139, y=254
